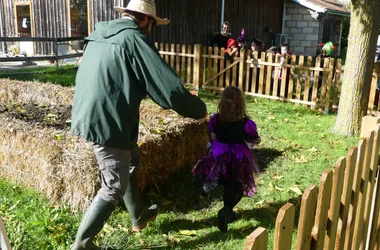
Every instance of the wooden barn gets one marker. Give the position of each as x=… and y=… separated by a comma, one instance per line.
x=192, y=21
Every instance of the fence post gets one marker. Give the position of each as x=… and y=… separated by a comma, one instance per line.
x=197, y=66
x=284, y=227
x=55, y=47
x=243, y=58
x=257, y=240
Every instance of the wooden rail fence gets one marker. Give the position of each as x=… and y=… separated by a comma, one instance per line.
x=343, y=213
x=309, y=81
x=54, y=54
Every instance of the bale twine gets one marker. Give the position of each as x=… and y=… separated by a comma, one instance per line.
x=64, y=167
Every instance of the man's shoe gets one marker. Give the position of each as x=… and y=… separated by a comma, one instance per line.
x=152, y=213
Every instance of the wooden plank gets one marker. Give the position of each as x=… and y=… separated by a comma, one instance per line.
x=373, y=168
x=284, y=227
x=257, y=240
x=171, y=58
x=283, y=74
x=322, y=96
x=183, y=64
x=314, y=94
x=234, y=73
x=374, y=242
x=276, y=86
x=178, y=60
x=334, y=210
x=216, y=69
x=189, y=65
x=359, y=231
x=197, y=80
x=299, y=78
x=248, y=72
x=242, y=67
x=355, y=194
x=328, y=85
x=227, y=81
x=290, y=78
x=306, y=218
x=323, y=204
x=4, y=240
x=209, y=64
x=162, y=49
x=221, y=73
x=261, y=76
x=254, y=73
x=336, y=86
x=346, y=197
x=268, y=76
x=306, y=90
x=166, y=56
x=204, y=64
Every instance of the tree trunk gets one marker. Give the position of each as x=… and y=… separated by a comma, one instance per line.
x=354, y=97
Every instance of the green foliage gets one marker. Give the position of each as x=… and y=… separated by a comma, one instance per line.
x=65, y=76
x=33, y=223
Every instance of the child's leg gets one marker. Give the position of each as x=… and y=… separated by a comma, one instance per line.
x=233, y=192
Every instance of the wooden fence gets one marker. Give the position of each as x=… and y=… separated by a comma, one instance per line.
x=55, y=54
x=343, y=213
x=308, y=81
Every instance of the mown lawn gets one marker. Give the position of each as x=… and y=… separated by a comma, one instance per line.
x=297, y=146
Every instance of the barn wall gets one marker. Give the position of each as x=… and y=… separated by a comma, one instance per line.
x=191, y=21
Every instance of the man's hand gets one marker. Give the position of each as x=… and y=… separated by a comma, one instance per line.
x=202, y=120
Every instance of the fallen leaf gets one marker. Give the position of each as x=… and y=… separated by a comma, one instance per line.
x=296, y=190
x=188, y=232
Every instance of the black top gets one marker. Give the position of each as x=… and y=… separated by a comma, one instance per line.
x=219, y=40
x=230, y=132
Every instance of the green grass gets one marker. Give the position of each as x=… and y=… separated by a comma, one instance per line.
x=65, y=76
x=297, y=146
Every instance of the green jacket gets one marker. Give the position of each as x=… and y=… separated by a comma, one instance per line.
x=120, y=66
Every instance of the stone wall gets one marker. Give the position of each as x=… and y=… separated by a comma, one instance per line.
x=304, y=29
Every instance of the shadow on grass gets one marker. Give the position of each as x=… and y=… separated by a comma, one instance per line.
x=182, y=192
x=264, y=217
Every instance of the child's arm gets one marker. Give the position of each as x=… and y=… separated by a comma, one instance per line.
x=252, y=136
x=211, y=127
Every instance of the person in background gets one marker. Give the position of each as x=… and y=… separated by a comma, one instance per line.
x=220, y=39
x=235, y=46
x=256, y=46
x=120, y=66
x=229, y=160
x=328, y=50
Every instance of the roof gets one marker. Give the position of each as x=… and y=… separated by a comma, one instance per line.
x=334, y=7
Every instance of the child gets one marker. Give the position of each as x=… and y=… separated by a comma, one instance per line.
x=229, y=159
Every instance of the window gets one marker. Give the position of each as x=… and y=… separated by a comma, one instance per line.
x=78, y=18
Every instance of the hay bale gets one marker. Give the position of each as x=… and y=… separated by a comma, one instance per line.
x=41, y=93
x=44, y=155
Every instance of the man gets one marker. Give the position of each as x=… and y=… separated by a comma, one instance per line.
x=220, y=39
x=120, y=66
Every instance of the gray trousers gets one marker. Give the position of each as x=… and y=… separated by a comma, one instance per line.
x=115, y=166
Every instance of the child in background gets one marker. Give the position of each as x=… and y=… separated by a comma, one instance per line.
x=229, y=160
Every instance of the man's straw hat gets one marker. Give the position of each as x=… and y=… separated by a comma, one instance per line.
x=147, y=7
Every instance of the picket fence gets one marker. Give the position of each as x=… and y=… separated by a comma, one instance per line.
x=312, y=82
x=343, y=213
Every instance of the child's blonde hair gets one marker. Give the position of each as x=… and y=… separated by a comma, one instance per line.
x=231, y=106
